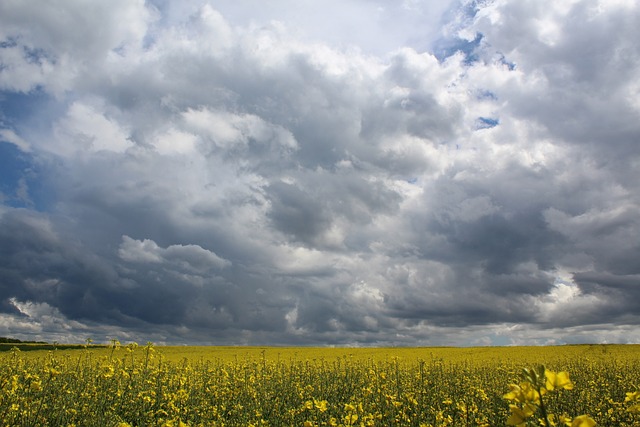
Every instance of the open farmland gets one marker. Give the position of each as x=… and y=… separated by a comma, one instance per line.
x=274, y=386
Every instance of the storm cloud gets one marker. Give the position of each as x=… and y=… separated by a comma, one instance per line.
x=448, y=173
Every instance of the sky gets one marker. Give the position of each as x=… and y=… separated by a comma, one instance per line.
x=320, y=173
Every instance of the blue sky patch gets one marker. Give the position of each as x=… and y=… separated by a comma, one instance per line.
x=488, y=95
x=14, y=167
x=16, y=107
x=446, y=48
x=486, y=123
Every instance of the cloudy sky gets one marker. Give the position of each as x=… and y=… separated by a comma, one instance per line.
x=340, y=172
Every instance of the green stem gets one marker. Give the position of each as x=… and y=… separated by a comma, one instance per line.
x=543, y=408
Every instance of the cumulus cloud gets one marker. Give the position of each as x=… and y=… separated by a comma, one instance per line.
x=51, y=44
x=206, y=174
x=84, y=128
x=193, y=257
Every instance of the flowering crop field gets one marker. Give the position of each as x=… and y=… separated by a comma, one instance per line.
x=133, y=385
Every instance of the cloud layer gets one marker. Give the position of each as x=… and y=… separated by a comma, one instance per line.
x=183, y=173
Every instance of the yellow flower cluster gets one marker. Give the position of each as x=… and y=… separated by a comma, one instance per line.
x=529, y=400
x=633, y=399
x=131, y=385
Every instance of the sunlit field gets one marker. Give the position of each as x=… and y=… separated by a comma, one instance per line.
x=145, y=385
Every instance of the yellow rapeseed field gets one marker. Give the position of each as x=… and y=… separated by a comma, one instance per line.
x=131, y=385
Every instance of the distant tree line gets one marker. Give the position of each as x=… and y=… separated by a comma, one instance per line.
x=8, y=344
x=5, y=340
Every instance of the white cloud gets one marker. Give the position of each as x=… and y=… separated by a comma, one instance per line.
x=86, y=128
x=565, y=304
x=55, y=42
x=10, y=136
x=191, y=257
x=139, y=251
x=226, y=130
x=174, y=141
x=303, y=261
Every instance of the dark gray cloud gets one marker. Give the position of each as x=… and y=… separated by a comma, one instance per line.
x=193, y=174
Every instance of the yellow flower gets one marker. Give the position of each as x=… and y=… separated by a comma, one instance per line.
x=519, y=415
x=632, y=396
x=635, y=409
x=583, y=421
x=564, y=420
x=321, y=405
x=523, y=393
x=350, y=419
x=558, y=380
